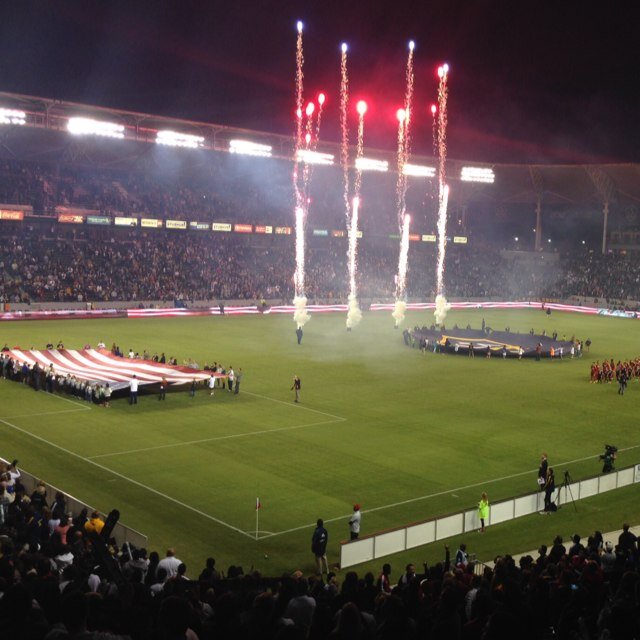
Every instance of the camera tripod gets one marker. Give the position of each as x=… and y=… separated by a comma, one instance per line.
x=566, y=485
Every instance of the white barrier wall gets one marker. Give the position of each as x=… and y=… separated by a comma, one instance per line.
x=389, y=542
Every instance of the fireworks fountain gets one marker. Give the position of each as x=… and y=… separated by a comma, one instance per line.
x=300, y=181
x=354, y=315
x=344, y=128
x=401, y=303
x=442, y=306
x=404, y=119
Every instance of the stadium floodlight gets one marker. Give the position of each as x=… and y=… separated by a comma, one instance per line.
x=12, y=116
x=177, y=139
x=419, y=170
x=369, y=164
x=248, y=148
x=314, y=157
x=88, y=126
x=477, y=174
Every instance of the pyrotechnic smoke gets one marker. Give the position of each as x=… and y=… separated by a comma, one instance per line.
x=399, y=311
x=401, y=280
x=300, y=315
x=443, y=197
x=442, y=306
x=354, y=315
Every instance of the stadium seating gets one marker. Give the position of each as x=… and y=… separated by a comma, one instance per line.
x=57, y=577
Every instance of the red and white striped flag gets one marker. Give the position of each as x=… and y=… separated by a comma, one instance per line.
x=258, y=505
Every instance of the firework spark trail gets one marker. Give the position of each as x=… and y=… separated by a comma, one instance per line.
x=404, y=119
x=321, y=99
x=401, y=303
x=443, y=94
x=442, y=305
x=401, y=184
x=434, y=129
x=300, y=315
x=357, y=183
x=299, y=86
x=354, y=315
x=300, y=183
x=308, y=144
x=344, y=128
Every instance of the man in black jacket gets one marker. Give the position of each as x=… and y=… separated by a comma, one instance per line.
x=319, y=547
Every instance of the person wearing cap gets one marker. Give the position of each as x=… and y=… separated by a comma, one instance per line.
x=354, y=523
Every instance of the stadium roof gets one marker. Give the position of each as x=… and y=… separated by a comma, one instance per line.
x=514, y=183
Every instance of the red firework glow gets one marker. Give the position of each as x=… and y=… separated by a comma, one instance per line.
x=361, y=107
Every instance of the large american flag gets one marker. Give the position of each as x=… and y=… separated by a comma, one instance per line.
x=99, y=365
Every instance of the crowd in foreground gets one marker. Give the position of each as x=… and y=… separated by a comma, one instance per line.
x=62, y=576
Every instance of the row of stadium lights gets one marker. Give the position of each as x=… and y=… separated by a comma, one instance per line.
x=88, y=126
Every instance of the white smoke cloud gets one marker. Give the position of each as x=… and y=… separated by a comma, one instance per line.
x=442, y=306
x=354, y=315
x=399, y=311
x=300, y=315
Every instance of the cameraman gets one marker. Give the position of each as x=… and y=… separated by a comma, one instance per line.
x=542, y=471
x=549, y=488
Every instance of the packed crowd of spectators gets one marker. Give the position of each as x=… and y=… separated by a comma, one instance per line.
x=62, y=576
x=39, y=265
x=42, y=261
x=614, y=276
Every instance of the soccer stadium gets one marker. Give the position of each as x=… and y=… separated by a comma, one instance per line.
x=257, y=385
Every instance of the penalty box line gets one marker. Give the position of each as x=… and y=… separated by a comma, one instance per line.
x=334, y=419
x=216, y=438
x=45, y=413
x=123, y=477
x=444, y=492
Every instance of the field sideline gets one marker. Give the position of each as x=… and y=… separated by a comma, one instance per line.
x=407, y=435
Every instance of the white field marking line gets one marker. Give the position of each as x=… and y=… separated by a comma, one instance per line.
x=131, y=480
x=215, y=438
x=441, y=493
x=294, y=405
x=46, y=413
x=78, y=404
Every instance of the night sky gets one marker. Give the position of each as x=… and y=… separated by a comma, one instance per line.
x=529, y=82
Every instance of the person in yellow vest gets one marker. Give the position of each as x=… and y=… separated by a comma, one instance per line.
x=552, y=352
x=95, y=523
x=483, y=510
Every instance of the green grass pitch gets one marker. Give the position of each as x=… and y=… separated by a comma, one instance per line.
x=406, y=435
